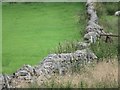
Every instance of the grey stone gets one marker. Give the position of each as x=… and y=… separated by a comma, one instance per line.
x=21, y=73
x=1, y=81
x=91, y=37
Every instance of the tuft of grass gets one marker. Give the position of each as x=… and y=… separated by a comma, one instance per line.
x=105, y=50
x=66, y=47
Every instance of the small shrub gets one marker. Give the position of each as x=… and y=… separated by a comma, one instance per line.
x=111, y=8
x=101, y=11
x=106, y=8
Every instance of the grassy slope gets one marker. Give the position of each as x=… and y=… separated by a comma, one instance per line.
x=31, y=31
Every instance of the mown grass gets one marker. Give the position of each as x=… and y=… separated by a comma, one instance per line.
x=31, y=31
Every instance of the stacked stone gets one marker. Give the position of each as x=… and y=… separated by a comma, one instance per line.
x=4, y=81
x=1, y=81
x=53, y=63
x=59, y=63
x=93, y=30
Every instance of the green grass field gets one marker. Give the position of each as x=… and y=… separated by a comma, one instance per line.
x=31, y=31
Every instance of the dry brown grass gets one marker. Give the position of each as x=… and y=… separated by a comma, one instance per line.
x=103, y=74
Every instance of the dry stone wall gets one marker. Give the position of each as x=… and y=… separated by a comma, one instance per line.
x=58, y=63
x=93, y=29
